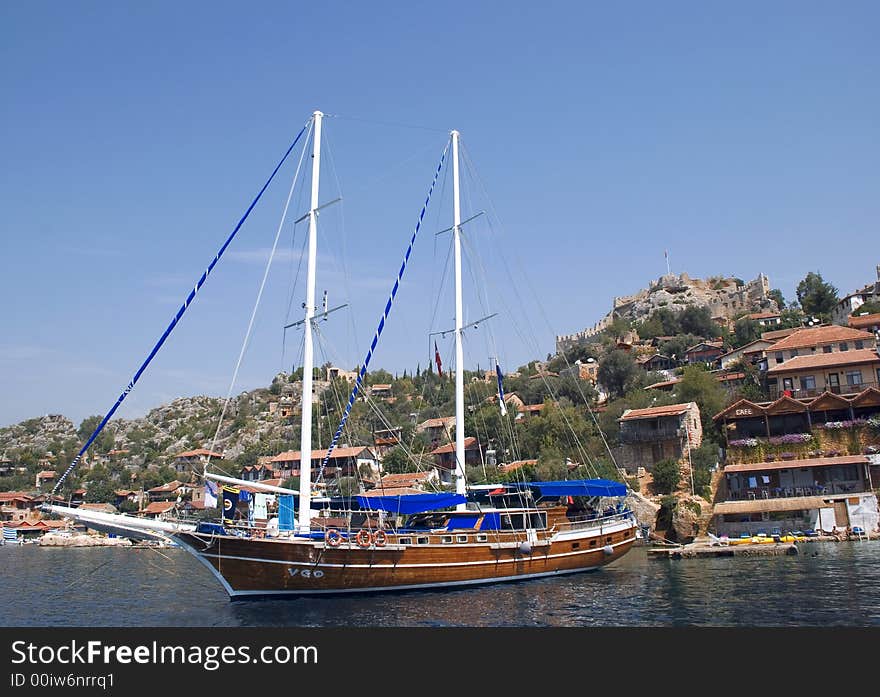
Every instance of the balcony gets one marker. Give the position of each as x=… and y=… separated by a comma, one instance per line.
x=844, y=390
x=650, y=435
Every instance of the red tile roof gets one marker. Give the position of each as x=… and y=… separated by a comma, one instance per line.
x=100, y=507
x=399, y=491
x=864, y=321
x=531, y=407
x=777, y=334
x=763, y=315
x=403, y=479
x=158, y=507
x=823, y=360
x=294, y=455
x=438, y=422
x=46, y=474
x=199, y=452
x=516, y=464
x=654, y=412
x=820, y=335
x=162, y=488
x=469, y=443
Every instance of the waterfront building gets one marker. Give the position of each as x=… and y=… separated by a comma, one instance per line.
x=800, y=464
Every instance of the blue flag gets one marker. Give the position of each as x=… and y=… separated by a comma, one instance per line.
x=210, y=494
x=230, y=501
x=500, y=391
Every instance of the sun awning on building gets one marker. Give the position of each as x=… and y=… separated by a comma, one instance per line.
x=795, y=464
x=799, y=503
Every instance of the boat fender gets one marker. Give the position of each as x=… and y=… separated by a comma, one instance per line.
x=525, y=548
x=380, y=538
x=364, y=538
x=332, y=537
x=608, y=549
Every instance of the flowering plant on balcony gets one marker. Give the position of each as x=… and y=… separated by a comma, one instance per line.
x=790, y=439
x=744, y=443
x=838, y=425
x=787, y=455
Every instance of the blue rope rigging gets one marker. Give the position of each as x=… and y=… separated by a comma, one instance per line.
x=186, y=304
x=363, y=370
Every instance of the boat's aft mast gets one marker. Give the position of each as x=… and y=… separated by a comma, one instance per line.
x=459, y=353
x=305, y=448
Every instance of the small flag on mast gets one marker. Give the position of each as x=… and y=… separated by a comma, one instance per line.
x=437, y=360
x=210, y=494
x=500, y=390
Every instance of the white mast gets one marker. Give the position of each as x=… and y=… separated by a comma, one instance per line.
x=459, y=354
x=305, y=443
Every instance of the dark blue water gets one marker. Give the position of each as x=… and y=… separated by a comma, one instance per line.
x=828, y=584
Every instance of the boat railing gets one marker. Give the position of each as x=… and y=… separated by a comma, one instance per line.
x=586, y=522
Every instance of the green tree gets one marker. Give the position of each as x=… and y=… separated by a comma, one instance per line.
x=776, y=295
x=697, y=320
x=745, y=331
x=816, y=296
x=699, y=386
x=396, y=461
x=617, y=372
x=667, y=475
x=869, y=308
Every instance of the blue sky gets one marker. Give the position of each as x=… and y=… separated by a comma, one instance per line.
x=741, y=137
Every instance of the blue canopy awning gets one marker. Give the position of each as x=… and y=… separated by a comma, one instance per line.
x=578, y=487
x=409, y=503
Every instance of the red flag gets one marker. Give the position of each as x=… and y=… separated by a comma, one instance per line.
x=437, y=360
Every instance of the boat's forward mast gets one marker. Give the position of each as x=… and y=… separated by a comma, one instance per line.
x=305, y=470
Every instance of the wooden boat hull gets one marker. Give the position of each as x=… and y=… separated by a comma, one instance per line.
x=248, y=566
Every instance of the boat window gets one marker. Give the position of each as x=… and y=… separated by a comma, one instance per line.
x=592, y=543
x=512, y=521
x=446, y=539
x=405, y=540
x=538, y=520
x=608, y=539
x=461, y=538
x=575, y=545
x=482, y=537
x=421, y=540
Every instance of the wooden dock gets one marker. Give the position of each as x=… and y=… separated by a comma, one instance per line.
x=700, y=549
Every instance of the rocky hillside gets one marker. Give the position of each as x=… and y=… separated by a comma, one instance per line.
x=253, y=422
x=725, y=297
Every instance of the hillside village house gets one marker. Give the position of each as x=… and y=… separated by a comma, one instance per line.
x=852, y=302
x=765, y=319
x=795, y=464
x=165, y=492
x=46, y=478
x=344, y=462
x=439, y=430
x=751, y=352
x=585, y=370
x=840, y=373
x=444, y=457
x=333, y=373
x=824, y=339
x=16, y=506
x=704, y=352
x=648, y=436
x=866, y=323
x=656, y=362
x=193, y=461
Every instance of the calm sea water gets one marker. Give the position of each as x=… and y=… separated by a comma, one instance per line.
x=834, y=584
